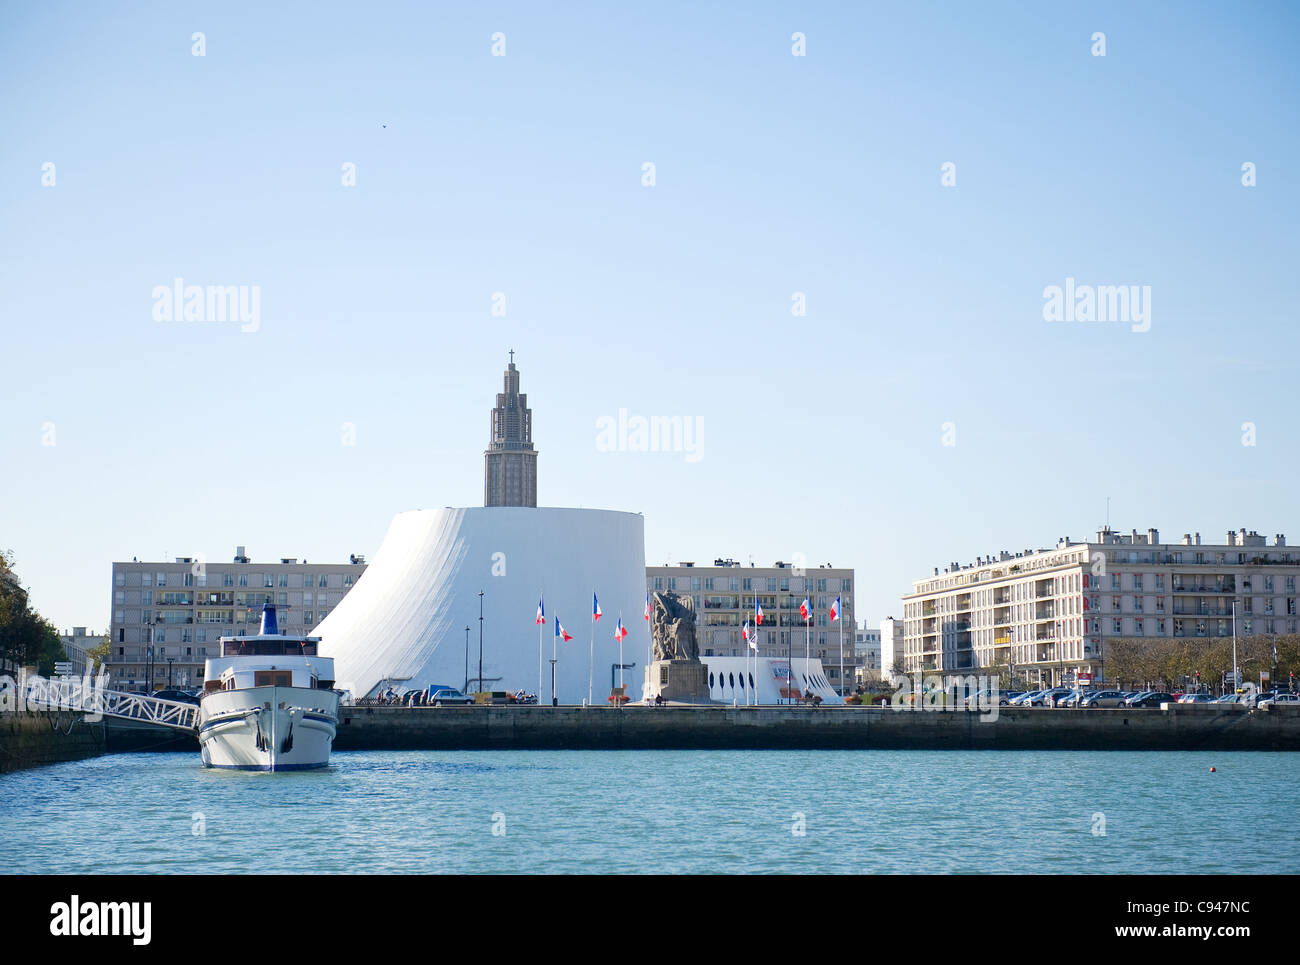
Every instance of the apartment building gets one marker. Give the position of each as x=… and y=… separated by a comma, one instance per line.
x=725, y=595
x=866, y=648
x=1049, y=612
x=77, y=644
x=167, y=618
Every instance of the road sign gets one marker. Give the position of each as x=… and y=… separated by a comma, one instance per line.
x=63, y=668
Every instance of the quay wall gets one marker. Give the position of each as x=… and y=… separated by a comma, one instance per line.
x=787, y=728
x=30, y=739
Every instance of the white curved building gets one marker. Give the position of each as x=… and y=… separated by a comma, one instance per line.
x=403, y=624
x=762, y=680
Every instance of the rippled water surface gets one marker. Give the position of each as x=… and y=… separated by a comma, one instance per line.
x=662, y=811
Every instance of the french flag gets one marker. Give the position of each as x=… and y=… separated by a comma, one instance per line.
x=541, y=613
x=835, y=610
x=595, y=609
x=758, y=617
x=560, y=632
x=647, y=606
x=805, y=610
x=620, y=631
x=751, y=636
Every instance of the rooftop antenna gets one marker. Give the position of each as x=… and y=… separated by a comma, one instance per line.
x=1108, y=512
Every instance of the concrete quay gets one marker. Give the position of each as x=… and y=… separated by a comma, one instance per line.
x=529, y=727
x=47, y=737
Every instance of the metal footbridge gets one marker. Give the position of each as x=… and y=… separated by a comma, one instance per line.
x=70, y=693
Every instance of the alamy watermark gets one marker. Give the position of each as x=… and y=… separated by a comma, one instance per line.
x=1100, y=303
x=938, y=693
x=653, y=434
x=180, y=302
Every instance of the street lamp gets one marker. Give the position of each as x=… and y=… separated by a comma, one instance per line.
x=1236, y=680
x=465, y=689
x=480, y=638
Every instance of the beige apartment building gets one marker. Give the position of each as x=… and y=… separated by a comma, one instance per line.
x=1049, y=612
x=724, y=596
x=167, y=618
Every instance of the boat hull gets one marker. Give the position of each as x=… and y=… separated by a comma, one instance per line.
x=268, y=728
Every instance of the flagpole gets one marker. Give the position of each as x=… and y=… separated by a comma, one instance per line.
x=591, y=649
x=839, y=618
x=540, y=623
x=620, y=660
x=807, y=639
x=555, y=655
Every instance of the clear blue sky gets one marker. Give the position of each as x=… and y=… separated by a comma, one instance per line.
x=522, y=174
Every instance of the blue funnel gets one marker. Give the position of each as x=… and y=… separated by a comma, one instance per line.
x=269, y=625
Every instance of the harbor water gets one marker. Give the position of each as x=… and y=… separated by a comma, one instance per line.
x=662, y=811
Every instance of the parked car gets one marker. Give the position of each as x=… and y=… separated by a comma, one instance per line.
x=448, y=695
x=987, y=698
x=1048, y=698
x=1229, y=699
x=1103, y=698
x=1279, y=698
x=1195, y=699
x=183, y=696
x=1150, y=699
x=1022, y=700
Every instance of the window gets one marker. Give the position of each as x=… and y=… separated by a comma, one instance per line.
x=672, y=583
x=282, y=599
x=307, y=618
x=119, y=579
x=734, y=584
x=695, y=583
x=322, y=582
x=659, y=583
x=268, y=579
x=243, y=579
x=146, y=579
x=347, y=579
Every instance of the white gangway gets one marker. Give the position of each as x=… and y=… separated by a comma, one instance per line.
x=79, y=694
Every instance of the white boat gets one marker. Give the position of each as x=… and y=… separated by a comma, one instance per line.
x=267, y=702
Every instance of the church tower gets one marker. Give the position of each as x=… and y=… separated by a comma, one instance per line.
x=510, y=471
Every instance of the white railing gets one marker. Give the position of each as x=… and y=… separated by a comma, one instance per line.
x=87, y=696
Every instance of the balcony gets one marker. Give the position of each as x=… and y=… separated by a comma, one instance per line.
x=1229, y=587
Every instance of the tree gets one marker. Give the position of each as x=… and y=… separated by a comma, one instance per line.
x=98, y=655
x=25, y=636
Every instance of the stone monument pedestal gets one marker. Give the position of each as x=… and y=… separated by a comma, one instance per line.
x=686, y=681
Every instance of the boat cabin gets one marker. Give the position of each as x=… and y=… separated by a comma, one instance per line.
x=268, y=659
